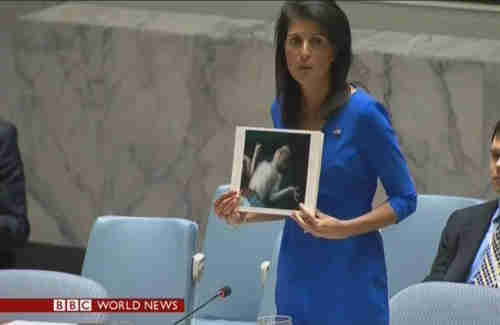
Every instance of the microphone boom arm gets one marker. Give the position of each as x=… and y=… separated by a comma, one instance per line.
x=223, y=293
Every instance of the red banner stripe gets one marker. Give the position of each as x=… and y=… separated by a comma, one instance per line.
x=25, y=305
x=109, y=305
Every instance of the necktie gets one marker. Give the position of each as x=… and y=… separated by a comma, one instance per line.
x=489, y=272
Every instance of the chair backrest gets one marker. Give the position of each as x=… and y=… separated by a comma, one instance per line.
x=233, y=258
x=268, y=303
x=143, y=257
x=411, y=246
x=16, y=284
x=445, y=303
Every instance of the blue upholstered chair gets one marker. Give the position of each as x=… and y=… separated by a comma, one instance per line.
x=411, y=246
x=268, y=303
x=143, y=257
x=16, y=284
x=445, y=303
x=233, y=258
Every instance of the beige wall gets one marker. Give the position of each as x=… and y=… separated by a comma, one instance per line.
x=132, y=112
x=415, y=17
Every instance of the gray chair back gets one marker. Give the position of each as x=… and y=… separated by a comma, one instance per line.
x=16, y=284
x=445, y=303
x=411, y=246
x=233, y=258
x=268, y=302
x=143, y=257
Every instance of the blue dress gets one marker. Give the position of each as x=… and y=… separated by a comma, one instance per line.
x=344, y=282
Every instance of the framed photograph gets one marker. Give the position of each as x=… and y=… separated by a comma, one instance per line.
x=276, y=169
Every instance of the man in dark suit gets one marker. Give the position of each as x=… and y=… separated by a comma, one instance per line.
x=14, y=224
x=467, y=236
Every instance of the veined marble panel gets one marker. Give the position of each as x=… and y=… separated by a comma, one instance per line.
x=131, y=112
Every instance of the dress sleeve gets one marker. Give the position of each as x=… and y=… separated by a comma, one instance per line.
x=380, y=145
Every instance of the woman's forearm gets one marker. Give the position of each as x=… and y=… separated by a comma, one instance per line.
x=380, y=217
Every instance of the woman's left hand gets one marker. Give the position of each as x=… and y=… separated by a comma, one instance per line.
x=319, y=224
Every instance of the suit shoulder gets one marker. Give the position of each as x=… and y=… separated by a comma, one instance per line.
x=469, y=214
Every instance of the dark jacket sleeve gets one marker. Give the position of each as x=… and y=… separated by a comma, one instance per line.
x=446, y=251
x=14, y=225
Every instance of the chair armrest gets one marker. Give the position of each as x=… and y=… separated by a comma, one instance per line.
x=264, y=270
x=198, y=266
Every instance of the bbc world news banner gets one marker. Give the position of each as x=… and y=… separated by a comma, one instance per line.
x=92, y=305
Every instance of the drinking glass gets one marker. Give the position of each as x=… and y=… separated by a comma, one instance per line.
x=274, y=320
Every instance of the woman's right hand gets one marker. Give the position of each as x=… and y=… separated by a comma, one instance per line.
x=226, y=207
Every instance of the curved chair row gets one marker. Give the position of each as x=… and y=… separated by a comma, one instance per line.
x=156, y=257
x=445, y=303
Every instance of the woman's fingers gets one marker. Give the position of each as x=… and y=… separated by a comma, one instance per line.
x=230, y=211
x=219, y=208
x=297, y=216
x=231, y=204
x=223, y=201
x=225, y=197
x=227, y=207
x=307, y=215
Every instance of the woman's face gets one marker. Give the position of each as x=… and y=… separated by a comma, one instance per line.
x=309, y=53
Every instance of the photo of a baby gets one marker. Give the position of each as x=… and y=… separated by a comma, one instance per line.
x=274, y=169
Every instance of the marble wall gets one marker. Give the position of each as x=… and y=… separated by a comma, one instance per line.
x=123, y=111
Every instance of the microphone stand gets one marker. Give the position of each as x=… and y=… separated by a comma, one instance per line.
x=198, y=308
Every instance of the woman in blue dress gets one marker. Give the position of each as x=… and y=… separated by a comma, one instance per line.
x=331, y=267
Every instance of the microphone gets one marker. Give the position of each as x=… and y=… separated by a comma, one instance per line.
x=222, y=292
